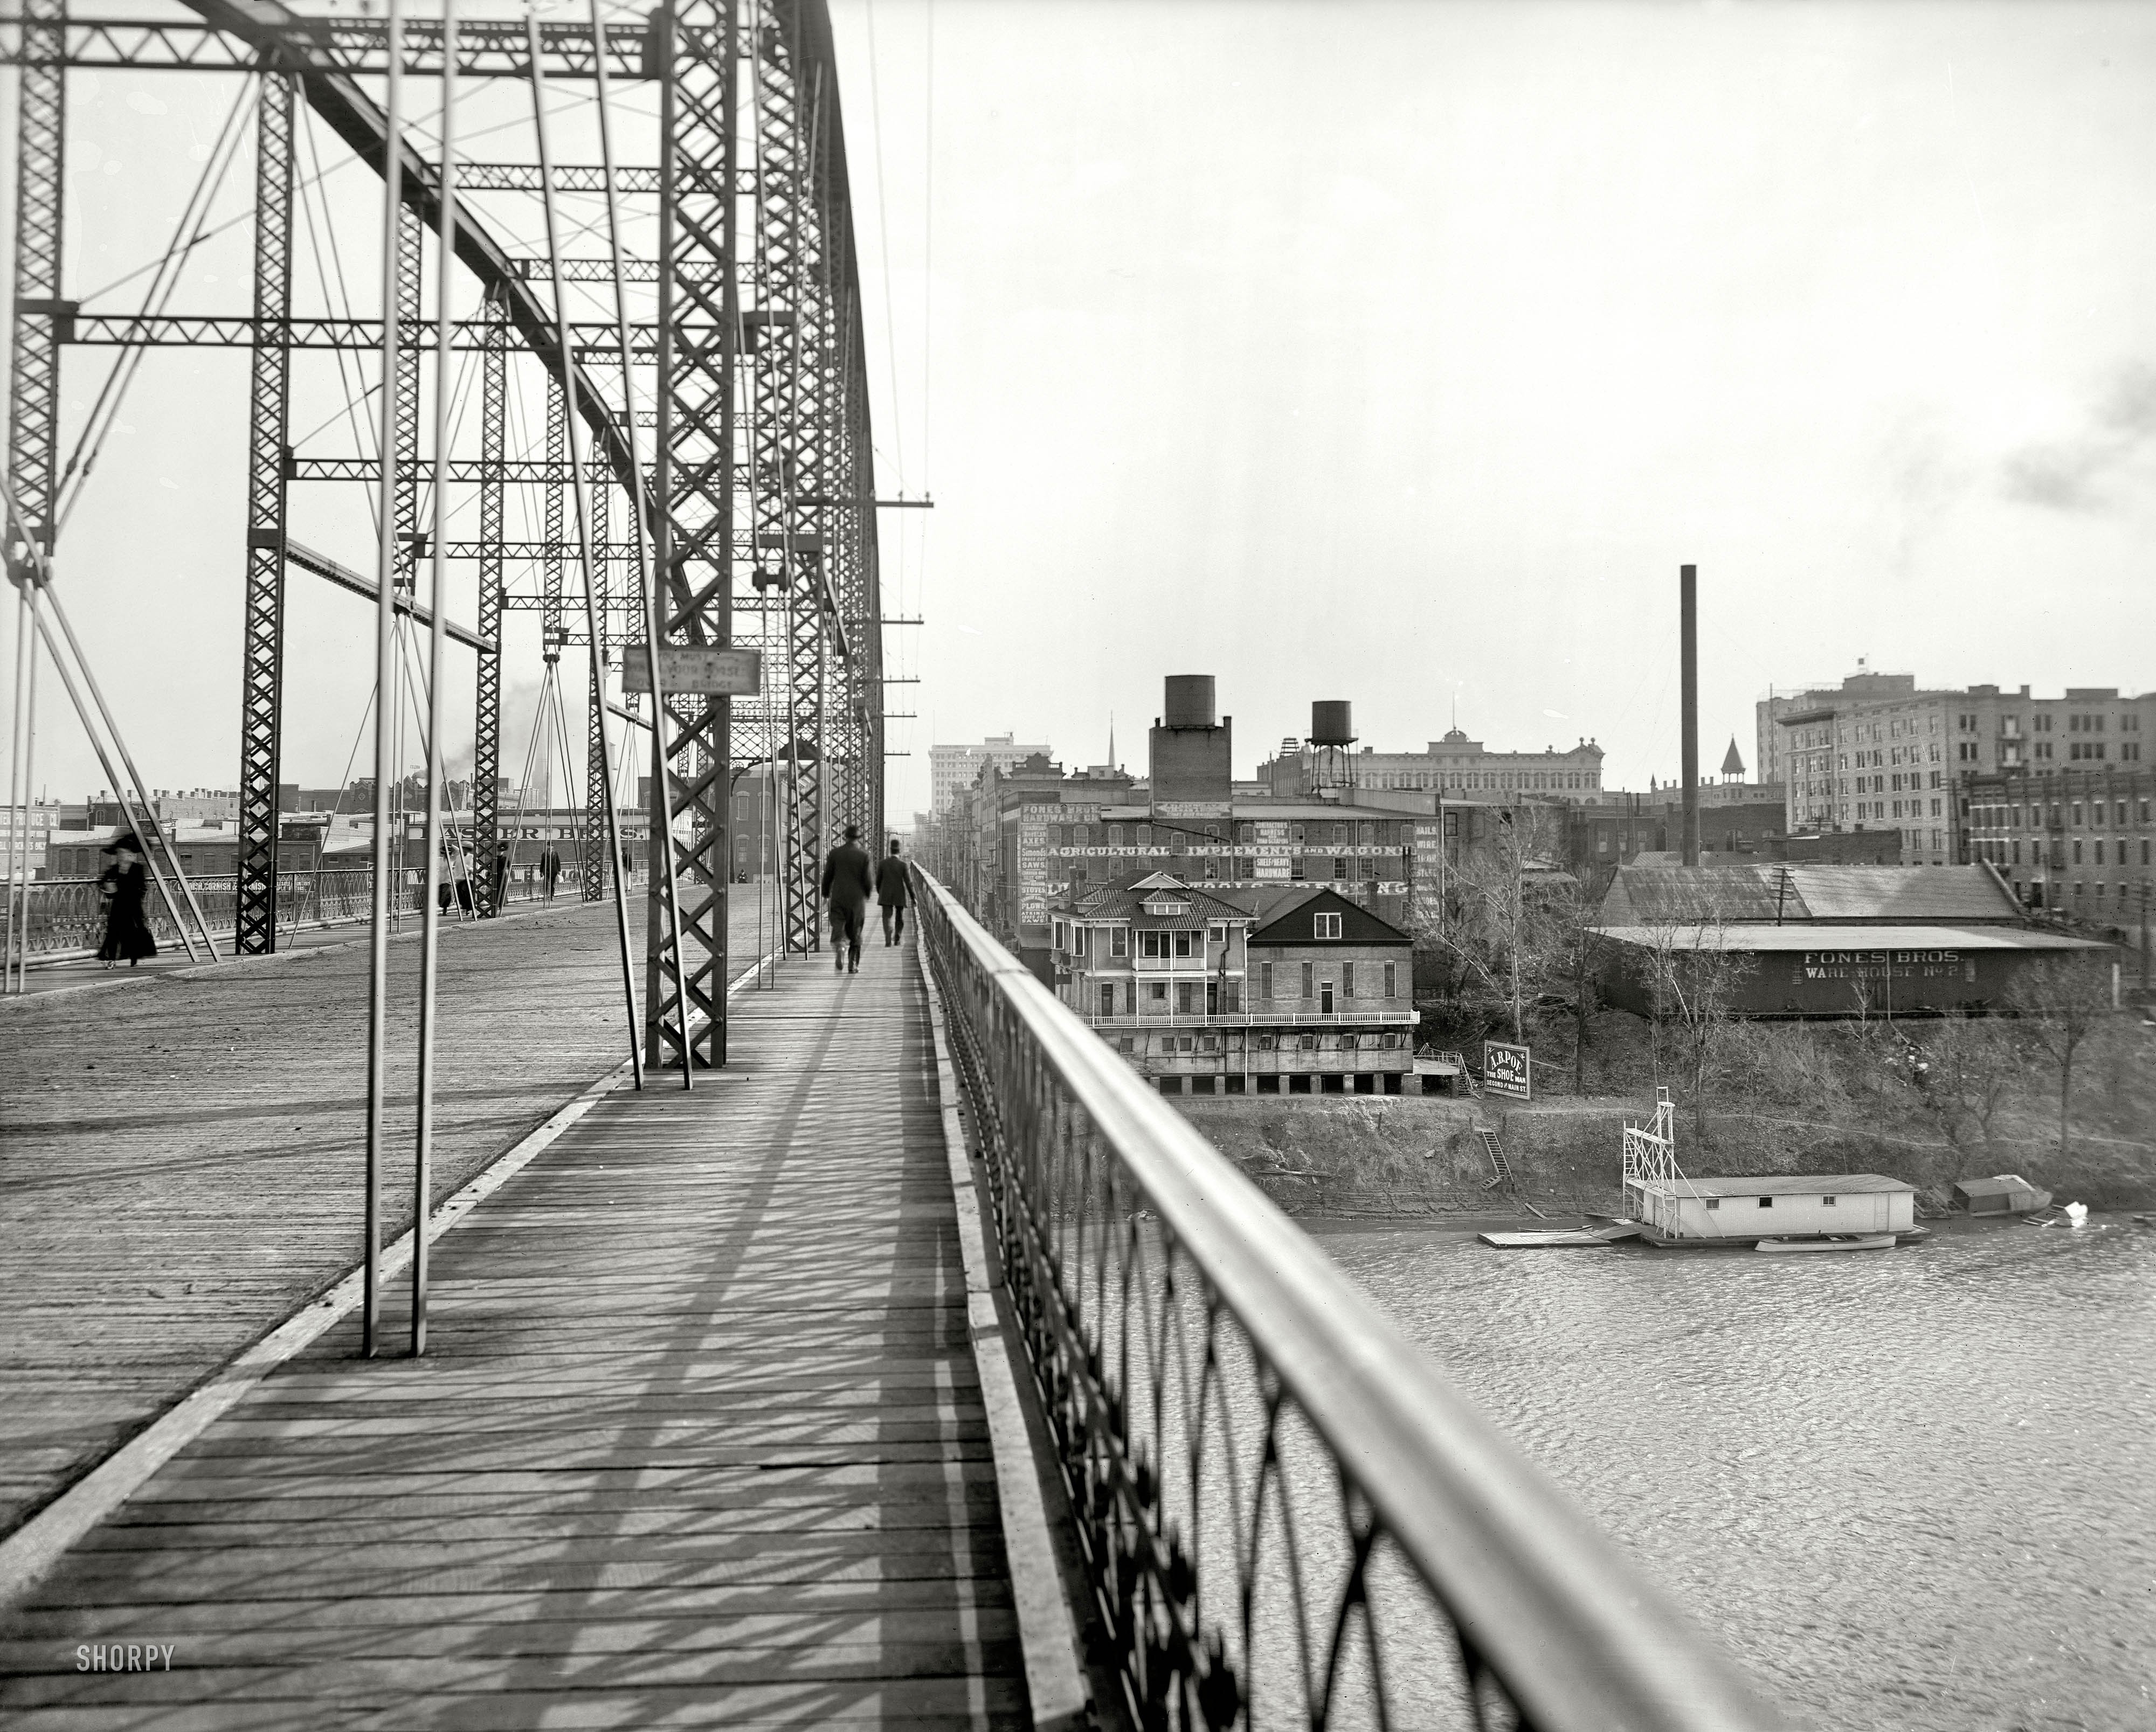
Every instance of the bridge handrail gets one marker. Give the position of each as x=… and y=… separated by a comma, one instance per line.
x=1564, y=1627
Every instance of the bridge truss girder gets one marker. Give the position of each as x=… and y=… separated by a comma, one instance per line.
x=754, y=213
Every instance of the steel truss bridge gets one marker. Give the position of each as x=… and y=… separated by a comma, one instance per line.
x=752, y=498
x=1278, y=1511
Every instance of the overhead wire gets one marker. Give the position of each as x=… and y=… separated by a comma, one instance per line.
x=112, y=394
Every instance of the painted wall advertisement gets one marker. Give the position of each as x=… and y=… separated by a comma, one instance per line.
x=1507, y=1069
x=1033, y=845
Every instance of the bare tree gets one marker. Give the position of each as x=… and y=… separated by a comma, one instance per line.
x=2061, y=1001
x=1692, y=980
x=1490, y=919
x=1972, y=1068
x=1570, y=946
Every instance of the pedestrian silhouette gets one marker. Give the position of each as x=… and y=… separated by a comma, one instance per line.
x=846, y=884
x=891, y=894
x=550, y=870
x=126, y=931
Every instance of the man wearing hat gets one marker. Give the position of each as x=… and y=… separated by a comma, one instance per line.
x=846, y=884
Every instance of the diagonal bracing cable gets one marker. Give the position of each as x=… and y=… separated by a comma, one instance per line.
x=580, y=489
x=105, y=410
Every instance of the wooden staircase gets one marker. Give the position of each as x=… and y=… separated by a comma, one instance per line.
x=1458, y=1061
x=1494, y=1147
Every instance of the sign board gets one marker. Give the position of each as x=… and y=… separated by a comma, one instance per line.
x=1506, y=1069
x=703, y=668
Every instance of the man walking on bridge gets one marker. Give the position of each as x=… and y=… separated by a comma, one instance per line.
x=846, y=883
x=890, y=892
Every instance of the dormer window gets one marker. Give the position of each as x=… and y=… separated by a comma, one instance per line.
x=1165, y=905
x=1326, y=926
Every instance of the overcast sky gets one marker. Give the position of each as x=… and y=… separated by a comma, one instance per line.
x=1396, y=353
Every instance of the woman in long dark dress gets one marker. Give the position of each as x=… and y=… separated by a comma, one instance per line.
x=126, y=932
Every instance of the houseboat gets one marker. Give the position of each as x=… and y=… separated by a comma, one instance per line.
x=1824, y=1211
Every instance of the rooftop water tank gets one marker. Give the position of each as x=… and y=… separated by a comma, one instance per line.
x=1189, y=700
x=1331, y=723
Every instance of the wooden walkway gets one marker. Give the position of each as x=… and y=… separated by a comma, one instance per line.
x=699, y=1441
x=181, y=1157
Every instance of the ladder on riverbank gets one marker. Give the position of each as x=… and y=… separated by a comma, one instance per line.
x=1494, y=1147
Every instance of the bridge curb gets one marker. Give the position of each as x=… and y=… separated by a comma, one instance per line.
x=1056, y=1683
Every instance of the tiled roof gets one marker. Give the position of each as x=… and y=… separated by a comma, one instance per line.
x=1125, y=899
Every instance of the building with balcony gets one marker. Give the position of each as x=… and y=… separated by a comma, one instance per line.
x=1246, y=993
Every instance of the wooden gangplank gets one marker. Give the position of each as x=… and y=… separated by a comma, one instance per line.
x=698, y=1440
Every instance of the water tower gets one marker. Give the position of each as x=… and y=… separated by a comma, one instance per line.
x=1332, y=746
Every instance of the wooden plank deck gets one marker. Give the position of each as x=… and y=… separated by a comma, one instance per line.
x=181, y=1156
x=699, y=1441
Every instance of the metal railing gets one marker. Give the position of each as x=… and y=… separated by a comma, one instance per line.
x=67, y=915
x=1288, y=1515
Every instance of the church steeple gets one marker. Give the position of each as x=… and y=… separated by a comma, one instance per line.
x=1732, y=765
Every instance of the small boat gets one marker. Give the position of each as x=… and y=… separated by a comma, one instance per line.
x=1834, y=1242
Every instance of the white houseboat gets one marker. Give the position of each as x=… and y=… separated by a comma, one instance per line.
x=1822, y=1212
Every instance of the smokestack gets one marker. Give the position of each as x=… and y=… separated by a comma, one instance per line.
x=1688, y=677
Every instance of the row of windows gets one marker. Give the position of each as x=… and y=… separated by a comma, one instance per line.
x=2009, y=852
x=2012, y=817
x=2034, y=894
x=1364, y=832
x=1486, y=781
x=1231, y=1041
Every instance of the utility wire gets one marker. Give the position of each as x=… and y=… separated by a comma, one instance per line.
x=105, y=410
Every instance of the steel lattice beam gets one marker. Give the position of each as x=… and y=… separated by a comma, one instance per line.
x=593, y=343
x=262, y=660
x=486, y=746
x=485, y=48
x=695, y=56
x=34, y=380
x=595, y=737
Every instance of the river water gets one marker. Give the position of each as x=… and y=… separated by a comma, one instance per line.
x=1905, y=1488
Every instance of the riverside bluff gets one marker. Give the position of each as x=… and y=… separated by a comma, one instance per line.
x=1927, y=1103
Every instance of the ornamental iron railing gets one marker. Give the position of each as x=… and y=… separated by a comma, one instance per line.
x=67, y=915
x=1288, y=1515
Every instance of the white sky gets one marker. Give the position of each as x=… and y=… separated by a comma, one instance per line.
x=1395, y=353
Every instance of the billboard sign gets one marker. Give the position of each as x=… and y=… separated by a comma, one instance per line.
x=1507, y=1069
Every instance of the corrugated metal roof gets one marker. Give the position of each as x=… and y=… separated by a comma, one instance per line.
x=1644, y=893
x=1810, y=935
x=1943, y=893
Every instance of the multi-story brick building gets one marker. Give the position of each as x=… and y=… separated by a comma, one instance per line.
x=1456, y=766
x=1884, y=753
x=953, y=769
x=1248, y=992
x=1033, y=834
x=2076, y=841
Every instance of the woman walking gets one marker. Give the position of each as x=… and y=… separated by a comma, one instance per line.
x=126, y=932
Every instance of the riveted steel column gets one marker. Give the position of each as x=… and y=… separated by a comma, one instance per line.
x=262, y=654
x=486, y=748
